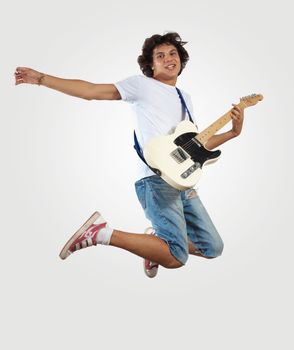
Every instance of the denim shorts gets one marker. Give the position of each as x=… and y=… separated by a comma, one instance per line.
x=178, y=216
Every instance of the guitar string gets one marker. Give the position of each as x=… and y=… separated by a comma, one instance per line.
x=189, y=145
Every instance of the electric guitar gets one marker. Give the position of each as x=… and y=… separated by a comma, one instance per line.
x=178, y=158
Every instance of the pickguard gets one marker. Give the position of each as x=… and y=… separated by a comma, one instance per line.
x=196, y=151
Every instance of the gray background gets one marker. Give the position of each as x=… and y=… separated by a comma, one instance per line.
x=59, y=163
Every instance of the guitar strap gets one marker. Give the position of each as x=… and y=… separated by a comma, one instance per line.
x=138, y=148
x=184, y=104
x=136, y=143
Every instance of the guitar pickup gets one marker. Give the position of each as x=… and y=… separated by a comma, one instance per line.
x=179, y=155
x=190, y=170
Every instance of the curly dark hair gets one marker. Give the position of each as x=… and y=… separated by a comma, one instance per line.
x=145, y=60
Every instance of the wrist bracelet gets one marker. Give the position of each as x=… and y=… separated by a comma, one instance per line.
x=41, y=78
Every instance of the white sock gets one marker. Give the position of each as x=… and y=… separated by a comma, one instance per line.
x=104, y=235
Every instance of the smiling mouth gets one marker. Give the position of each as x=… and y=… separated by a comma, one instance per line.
x=170, y=66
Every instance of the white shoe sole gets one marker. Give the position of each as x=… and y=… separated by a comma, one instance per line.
x=65, y=250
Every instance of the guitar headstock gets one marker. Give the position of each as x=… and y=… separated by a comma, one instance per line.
x=251, y=100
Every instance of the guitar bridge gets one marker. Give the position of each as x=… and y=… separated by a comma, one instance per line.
x=179, y=155
x=190, y=170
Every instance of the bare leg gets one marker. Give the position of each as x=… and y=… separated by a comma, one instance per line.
x=146, y=246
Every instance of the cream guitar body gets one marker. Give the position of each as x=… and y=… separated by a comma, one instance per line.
x=179, y=157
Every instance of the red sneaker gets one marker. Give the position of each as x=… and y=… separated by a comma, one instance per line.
x=86, y=235
x=150, y=268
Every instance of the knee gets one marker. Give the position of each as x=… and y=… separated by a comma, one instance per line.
x=172, y=263
x=216, y=250
x=219, y=248
x=177, y=257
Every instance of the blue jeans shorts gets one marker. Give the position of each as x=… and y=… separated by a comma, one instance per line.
x=178, y=216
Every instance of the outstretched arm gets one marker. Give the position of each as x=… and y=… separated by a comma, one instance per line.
x=73, y=87
x=237, y=115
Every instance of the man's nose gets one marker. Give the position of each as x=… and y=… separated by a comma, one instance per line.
x=167, y=58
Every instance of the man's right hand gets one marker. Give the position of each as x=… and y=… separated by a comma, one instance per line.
x=27, y=75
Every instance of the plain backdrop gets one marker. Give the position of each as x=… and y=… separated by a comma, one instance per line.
x=63, y=157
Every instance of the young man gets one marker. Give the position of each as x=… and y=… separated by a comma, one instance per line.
x=181, y=225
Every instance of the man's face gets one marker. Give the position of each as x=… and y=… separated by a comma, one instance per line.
x=166, y=63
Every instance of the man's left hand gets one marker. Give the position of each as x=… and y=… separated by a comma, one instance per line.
x=237, y=115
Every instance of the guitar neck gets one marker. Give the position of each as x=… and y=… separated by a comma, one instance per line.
x=206, y=134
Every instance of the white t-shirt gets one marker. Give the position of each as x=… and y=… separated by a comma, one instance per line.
x=157, y=108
